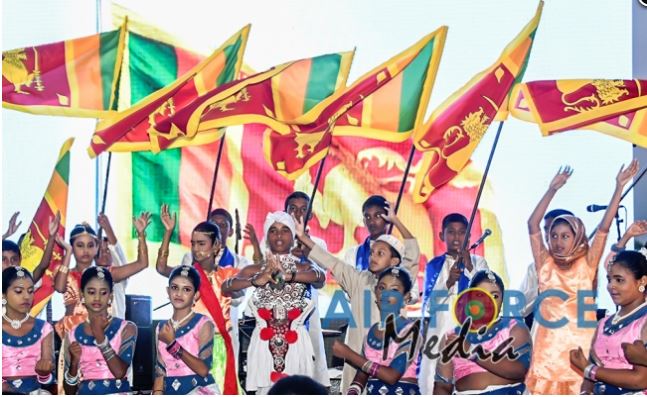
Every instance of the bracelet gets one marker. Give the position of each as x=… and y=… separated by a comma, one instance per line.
x=162, y=252
x=354, y=390
x=71, y=380
x=63, y=269
x=108, y=355
x=43, y=380
x=373, y=370
x=366, y=366
x=175, y=350
x=593, y=372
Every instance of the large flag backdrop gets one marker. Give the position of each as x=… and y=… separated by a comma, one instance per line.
x=247, y=182
x=74, y=77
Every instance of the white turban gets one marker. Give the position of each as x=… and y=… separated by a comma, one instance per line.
x=279, y=217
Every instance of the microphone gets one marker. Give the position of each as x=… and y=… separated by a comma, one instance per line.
x=478, y=242
x=596, y=208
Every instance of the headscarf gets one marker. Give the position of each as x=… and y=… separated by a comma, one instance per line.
x=581, y=243
x=278, y=217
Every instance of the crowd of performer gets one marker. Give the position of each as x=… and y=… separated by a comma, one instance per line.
x=198, y=346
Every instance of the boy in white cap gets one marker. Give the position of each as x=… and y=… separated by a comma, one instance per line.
x=387, y=251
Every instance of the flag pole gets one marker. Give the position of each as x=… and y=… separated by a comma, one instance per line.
x=314, y=189
x=215, y=174
x=404, y=182
x=481, y=186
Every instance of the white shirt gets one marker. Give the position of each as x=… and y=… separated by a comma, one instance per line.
x=118, y=289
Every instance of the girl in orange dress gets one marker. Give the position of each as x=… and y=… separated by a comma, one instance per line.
x=568, y=265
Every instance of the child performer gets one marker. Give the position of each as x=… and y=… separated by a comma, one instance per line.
x=445, y=274
x=387, y=251
x=478, y=375
x=395, y=374
x=27, y=343
x=185, y=342
x=570, y=266
x=608, y=371
x=280, y=345
x=99, y=351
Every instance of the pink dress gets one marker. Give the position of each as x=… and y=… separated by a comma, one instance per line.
x=196, y=337
x=607, y=349
x=96, y=377
x=20, y=354
x=399, y=356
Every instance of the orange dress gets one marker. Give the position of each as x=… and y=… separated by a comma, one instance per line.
x=550, y=370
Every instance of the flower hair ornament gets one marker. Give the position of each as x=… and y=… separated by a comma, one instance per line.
x=490, y=276
x=101, y=273
x=185, y=271
x=20, y=272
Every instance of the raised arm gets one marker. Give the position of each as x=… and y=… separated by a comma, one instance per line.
x=162, y=256
x=104, y=222
x=250, y=234
x=623, y=177
x=60, y=280
x=54, y=223
x=13, y=227
x=343, y=273
x=120, y=273
x=559, y=180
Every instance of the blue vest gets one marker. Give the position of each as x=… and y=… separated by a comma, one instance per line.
x=363, y=255
x=432, y=271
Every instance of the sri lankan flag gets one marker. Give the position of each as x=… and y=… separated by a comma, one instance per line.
x=284, y=92
x=33, y=244
x=614, y=107
x=456, y=127
x=75, y=77
x=134, y=128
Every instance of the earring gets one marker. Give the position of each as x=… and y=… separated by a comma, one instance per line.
x=641, y=288
x=82, y=300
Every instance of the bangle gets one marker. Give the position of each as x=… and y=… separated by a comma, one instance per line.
x=373, y=370
x=71, y=380
x=175, y=349
x=108, y=355
x=354, y=390
x=43, y=380
x=593, y=372
x=366, y=366
x=162, y=252
x=63, y=269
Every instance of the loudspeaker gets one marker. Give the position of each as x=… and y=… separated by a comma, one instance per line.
x=139, y=310
x=144, y=359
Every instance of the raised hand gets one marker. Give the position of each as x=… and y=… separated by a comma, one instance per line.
x=454, y=274
x=625, y=175
x=578, y=359
x=638, y=228
x=562, y=176
x=75, y=352
x=63, y=243
x=167, y=220
x=167, y=333
x=390, y=215
x=142, y=222
x=250, y=234
x=54, y=224
x=300, y=228
x=13, y=226
x=44, y=367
